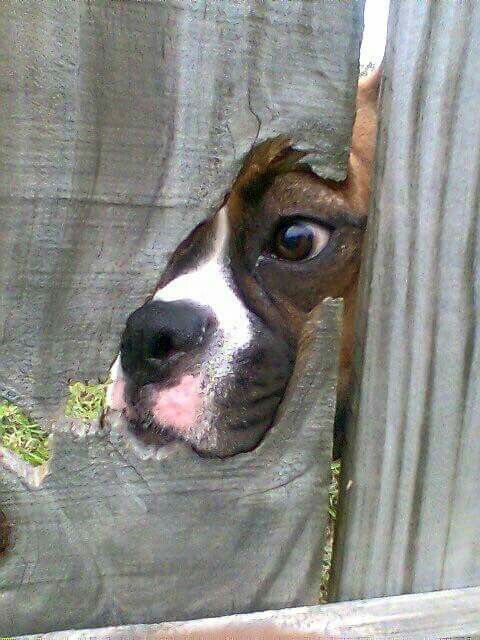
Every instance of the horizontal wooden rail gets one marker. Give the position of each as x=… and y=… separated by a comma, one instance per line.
x=451, y=614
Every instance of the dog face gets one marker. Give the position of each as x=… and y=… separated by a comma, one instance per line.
x=207, y=359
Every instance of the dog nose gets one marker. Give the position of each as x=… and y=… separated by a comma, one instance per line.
x=159, y=333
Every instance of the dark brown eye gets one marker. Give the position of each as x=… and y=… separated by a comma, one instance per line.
x=300, y=240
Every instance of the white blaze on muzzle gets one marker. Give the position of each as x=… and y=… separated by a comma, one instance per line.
x=209, y=285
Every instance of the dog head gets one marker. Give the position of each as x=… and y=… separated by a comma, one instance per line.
x=207, y=359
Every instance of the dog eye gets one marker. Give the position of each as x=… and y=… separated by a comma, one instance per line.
x=300, y=240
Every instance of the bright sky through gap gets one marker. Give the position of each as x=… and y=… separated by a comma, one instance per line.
x=375, y=31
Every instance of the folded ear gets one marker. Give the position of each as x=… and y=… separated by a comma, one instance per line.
x=265, y=161
x=369, y=86
x=365, y=126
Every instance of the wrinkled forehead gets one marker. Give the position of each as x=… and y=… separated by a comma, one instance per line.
x=276, y=180
x=298, y=192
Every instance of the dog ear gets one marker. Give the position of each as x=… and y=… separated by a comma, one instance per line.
x=265, y=161
x=369, y=87
x=365, y=126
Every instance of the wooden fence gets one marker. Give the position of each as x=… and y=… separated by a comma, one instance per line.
x=100, y=540
x=410, y=513
x=124, y=126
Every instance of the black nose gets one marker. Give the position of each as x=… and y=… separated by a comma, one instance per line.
x=159, y=334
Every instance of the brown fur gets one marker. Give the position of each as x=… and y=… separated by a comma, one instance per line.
x=356, y=190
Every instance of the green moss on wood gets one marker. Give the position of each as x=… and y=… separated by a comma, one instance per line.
x=85, y=401
x=22, y=434
x=329, y=535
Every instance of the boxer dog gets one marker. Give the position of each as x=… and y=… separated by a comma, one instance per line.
x=207, y=359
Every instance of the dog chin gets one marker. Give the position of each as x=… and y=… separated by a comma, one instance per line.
x=158, y=414
x=212, y=420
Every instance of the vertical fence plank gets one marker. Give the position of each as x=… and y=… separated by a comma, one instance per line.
x=410, y=504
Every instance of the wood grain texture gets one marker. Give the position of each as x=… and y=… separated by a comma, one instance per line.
x=410, y=508
x=446, y=614
x=122, y=125
x=108, y=538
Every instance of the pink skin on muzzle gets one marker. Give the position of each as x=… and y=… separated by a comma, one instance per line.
x=177, y=407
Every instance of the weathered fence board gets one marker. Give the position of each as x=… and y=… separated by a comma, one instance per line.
x=447, y=614
x=111, y=539
x=122, y=124
x=410, y=508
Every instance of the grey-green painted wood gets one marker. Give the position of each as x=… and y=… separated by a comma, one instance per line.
x=410, y=508
x=445, y=614
x=108, y=538
x=121, y=125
